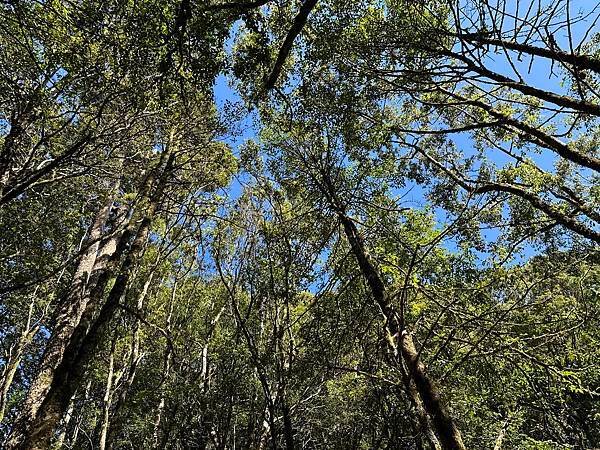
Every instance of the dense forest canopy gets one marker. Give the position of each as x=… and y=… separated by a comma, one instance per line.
x=317, y=224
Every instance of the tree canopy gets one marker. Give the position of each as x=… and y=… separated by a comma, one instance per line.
x=313, y=224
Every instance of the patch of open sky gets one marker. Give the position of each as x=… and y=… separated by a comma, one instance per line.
x=541, y=74
x=56, y=77
x=4, y=126
x=228, y=101
x=243, y=124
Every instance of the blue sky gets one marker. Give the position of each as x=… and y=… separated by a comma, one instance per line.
x=539, y=74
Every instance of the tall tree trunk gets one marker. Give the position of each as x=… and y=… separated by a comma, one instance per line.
x=69, y=313
x=160, y=408
x=425, y=425
x=77, y=427
x=256, y=360
x=113, y=378
x=166, y=373
x=108, y=391
x=283, y=366
x=134, y=359
x=70, y=371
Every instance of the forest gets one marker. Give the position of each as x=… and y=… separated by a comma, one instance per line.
x=300, y=224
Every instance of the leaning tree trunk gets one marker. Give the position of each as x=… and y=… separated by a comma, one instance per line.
x=70, y=372
x=423, y=420
x=66, y=320
x=401, y=344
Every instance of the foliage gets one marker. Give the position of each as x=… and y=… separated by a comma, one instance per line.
x=418, y=173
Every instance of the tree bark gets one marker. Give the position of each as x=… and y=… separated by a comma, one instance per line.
x=424, y=422
x=70, y=371
x=401, y=343
x=70, y=311
x=19, y=122
x=167, y=361
x=108, y=394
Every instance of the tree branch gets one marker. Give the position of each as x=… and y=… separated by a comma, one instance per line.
x=286, y=47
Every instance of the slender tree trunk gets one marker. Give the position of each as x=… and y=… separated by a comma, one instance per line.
x=266, y=431
x=14, y=358
x=112, y=379
x=256, y=360
x=107, y=399
x=129, y=374
x=502, y=434
x=166, y=373
x=86, y=397
x=135, y=356
x=60, y=440
x=282, y=369
x=205, y=369
x=157, y=420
